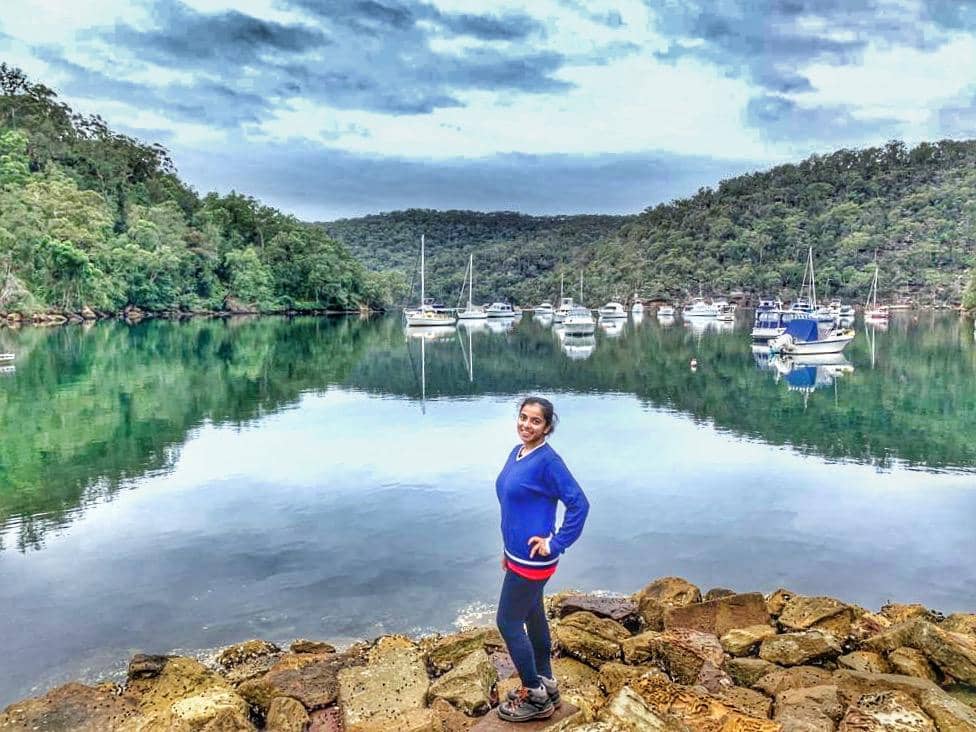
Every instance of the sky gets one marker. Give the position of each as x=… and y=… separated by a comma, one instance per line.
x=337, y=108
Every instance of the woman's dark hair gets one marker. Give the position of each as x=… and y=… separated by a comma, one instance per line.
x=548, y=411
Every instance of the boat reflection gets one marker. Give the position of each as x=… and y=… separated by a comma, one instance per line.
x=430, y=332
x=613, y=328
x=637, y=318
x=543, y=319
x=665, y=320
x=578, y=347
x=500, y=325
x=806, y=374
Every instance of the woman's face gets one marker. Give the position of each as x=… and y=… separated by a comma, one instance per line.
x=531, y=424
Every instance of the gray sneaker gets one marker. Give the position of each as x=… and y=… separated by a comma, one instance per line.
x=551, y=686
x=527, y=705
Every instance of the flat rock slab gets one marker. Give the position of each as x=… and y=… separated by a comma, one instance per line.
x=615, y=608
x=491, y=722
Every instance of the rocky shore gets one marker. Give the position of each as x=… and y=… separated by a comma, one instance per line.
x=666, y=658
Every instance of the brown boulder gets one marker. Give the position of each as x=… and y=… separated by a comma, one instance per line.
x=747, y=671
x=797, y=677
x=670, y=592
x=717, y=592
x=854, y=684
x=241, y=652
x=286, y=715
x=889, y=711
x=613, y=675
x=953, y=653
x=949, y=714
x=444, y=652
x=309, y=678
x=911, y=662
x=809, y=709
x=901, y=613
x=740, y=641
x=681, y=652
x=777, y=600
x=144, y=666
x=309, y=646
x=719, y=616
x=468, y=685
x=620, y=609
x=589, y=638
x=960, y=623
x=867, y=625
x=865, y=661
x=746, y=701
x=70, y=707
x=795, y=649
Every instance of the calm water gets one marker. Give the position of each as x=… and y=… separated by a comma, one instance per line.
x=182, y=486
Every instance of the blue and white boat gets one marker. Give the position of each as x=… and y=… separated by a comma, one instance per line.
x=803, y=338
x=500, y=310
x=770, y=323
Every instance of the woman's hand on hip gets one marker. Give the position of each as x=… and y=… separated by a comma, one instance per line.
x=539, y=545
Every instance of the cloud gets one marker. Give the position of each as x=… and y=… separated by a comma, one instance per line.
x=321, y=184
x=959, y=119
x=610, y=18
x=769, y=42
x=780, y=119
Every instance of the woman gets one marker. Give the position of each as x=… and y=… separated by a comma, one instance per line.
x=531, y=483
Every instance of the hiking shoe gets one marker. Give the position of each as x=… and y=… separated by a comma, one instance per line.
x=551, y=686
x=527, y=705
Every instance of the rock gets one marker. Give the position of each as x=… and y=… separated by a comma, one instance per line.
x=953, y=653
x=740, y=641
x=412, y=720
x=746, y=701
x=503, y=664
x=853, y=684
x=962, y=692
x=694, y=708
x=817, y=613
x=948, y=713
x=717, y=592
x=252, y=668
x=310, y=679
x=627, y=710
x=910, y=662
x=310, y=646
x=795, y=649
x=889, y=711
x=719, y=616
x=620, y=609
x=797, y=677
x=777, y=601
x=185, y=693
x=613, y=675
x=393, y=681
x=895, y=636
x=286, y=715
x=670, y=592
x=133, y=314
x=143, y=666
x=960, y=623
x=713, y=679
x=445, y=652
x=865, y=661
x=241, y=652
x=578, y=683
x=901, y=613
x=468, y=685
x=867, y=625
x=680, y=651
x=87, y=313
x=71, y=707
x=651, y=614
x=589, y=638
x=450, y=719
x=747, y=671
x=325, y=720
x=809, y=709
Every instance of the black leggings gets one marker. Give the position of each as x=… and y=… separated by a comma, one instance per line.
x=522, y=622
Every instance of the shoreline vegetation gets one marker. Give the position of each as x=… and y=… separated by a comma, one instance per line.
x=667, y=657
x=94, y=220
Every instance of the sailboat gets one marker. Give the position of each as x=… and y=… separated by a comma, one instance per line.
x=426, y=314
x=873, y=311
x=471, y=312
x=806, y=307
x=565, y=303
x=579, y=320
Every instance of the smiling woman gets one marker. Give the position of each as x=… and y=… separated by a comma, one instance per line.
x=533, y=480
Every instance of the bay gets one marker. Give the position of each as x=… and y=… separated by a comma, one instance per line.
x=179, y=486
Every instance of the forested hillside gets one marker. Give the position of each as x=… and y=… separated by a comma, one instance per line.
x=93, y=218
x=512, y=252
x=915, y=209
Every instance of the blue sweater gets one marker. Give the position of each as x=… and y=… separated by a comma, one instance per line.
x=528, y=490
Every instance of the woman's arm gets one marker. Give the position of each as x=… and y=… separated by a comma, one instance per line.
x=569, y=492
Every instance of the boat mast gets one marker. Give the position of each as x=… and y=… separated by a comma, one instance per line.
x=562, y=279
x=471, y=278
x=581, y=288
x=813, y=282
x=423, y=293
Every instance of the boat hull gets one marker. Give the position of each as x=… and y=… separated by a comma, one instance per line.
x=428, y=320
x=765, y=334
x=817, y=348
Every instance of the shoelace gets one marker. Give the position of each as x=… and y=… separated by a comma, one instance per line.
x=521, y=697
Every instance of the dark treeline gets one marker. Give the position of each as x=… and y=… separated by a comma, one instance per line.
x=93, y=218
x=915, y=209
x=512, y=251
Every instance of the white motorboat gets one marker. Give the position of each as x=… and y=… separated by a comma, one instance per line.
x=565, y=303
x=770, y=324
x=579, y=321
x=427, y=315
x=5, y=357
x=612, y=311
x=500, y=310
x=471, y=311
x=726, y=311
x=638, y=307
x=544, y=308
x=698, y=308
x=665, y=311
x=803, y=338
